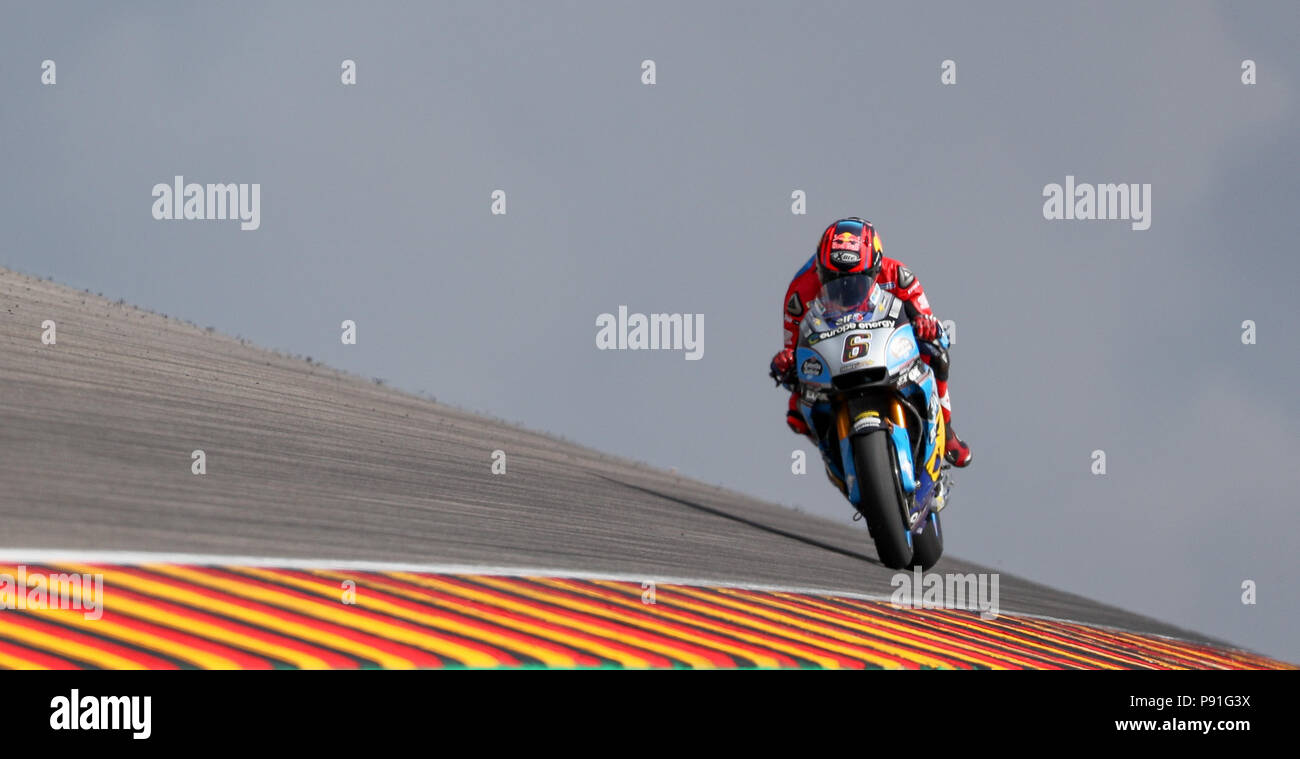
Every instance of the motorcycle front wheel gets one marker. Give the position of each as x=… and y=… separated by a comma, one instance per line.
x=882, y=502
x=927, y=548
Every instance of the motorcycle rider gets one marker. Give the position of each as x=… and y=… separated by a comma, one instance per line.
x=851, y=246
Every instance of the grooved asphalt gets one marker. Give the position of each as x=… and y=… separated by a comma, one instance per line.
x=305, y=461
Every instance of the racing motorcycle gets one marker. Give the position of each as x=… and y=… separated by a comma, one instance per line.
x=873, y=405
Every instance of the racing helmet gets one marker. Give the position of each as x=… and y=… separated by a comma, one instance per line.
x=849, y=258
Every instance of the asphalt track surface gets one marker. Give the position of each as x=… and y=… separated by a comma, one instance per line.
x=303, y=461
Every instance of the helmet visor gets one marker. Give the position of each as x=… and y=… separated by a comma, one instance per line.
x=846, y=293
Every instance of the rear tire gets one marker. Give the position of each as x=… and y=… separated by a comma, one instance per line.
x=881, y=500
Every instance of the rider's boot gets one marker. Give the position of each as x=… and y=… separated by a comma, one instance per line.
x=955, y=449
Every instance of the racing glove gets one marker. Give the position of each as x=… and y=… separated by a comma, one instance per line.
x=782, y=367
x=926, y=327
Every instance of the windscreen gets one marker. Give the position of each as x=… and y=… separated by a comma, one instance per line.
x=845, y=294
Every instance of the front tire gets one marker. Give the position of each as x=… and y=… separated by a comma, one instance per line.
x=881, y=499
x=927, y=548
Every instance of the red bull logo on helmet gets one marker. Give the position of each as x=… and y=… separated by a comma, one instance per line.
x=846, y=241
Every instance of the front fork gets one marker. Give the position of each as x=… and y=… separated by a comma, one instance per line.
x=861, y=419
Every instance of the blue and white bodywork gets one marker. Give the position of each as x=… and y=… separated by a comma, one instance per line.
x=861, y=371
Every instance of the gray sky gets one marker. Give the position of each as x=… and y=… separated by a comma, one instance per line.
x=1072, y=335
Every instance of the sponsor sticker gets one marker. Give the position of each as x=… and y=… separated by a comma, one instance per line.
x=845, y=257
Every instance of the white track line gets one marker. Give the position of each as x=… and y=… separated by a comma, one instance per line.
x=130, y=558
x=56, y=555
